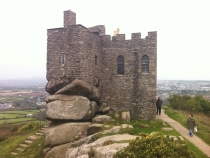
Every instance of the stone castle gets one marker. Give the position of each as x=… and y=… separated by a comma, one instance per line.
x=123, y=72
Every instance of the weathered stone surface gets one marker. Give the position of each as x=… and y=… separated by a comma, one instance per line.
x=54, y=85
x=65, y=133
x=82, y=150
x=108, y=151
x=106, y=109
x=71, y=108
x=54, y=97
x=76, y=87
x=126, y=116
x=116, y=129
x=94, y=108
x=58, y=151
x=102, y=119
x=94, y=94
x=94, y=128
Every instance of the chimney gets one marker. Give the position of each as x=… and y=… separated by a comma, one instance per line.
x=69, y=18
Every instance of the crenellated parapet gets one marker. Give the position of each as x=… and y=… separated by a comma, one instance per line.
x=136, y=41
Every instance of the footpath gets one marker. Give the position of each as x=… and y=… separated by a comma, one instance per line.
x=185, y=133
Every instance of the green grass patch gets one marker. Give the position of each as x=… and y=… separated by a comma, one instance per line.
x=34, y=150
x=18, y=120
x=202, y=121
x=20, y=112
x=3, y=115
x=197, y=151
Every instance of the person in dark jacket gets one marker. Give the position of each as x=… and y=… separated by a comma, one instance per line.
x=159, y=103
x=191, y=124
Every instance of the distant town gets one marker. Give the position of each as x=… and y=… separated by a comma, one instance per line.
x=166, y=88
x=30, y=93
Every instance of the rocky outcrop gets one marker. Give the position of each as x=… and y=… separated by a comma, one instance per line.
x=58, y=151
x=102, y=119
x=54, y=85
x=58, y=134
x=80, y=88
x=76, y=87
x=100, y=147
x=70, y=109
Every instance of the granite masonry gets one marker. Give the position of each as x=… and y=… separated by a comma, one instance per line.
x=123, y=71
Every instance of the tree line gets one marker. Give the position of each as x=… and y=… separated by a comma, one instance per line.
x=192, y=104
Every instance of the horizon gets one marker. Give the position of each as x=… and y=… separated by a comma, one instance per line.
x=182, y=33
x=43, y=78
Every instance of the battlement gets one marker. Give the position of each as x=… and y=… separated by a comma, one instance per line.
x=134, y=36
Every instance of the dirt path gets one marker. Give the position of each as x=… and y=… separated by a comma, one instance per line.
x=185, y=133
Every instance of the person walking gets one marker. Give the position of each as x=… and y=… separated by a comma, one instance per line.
x=159, y=103
x=191, y=124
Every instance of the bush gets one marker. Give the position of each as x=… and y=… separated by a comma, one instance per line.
x=155, y=145
x=30, y=126
x=14, y=128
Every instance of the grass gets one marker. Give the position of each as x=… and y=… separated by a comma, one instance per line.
x=16, y=116
x=19, y=112
x=32, y=151
x=35, y=150
x=202, y=121
x=11, y=115
x=16, y=120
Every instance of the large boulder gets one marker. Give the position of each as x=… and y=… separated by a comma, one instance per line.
x=126, y=116
x=102, y=119
x=76, y=87
x=94, y=94
x=54, y=85
x=71, y=108
x=81, y=88
x=100, y=146
x=58, y=134
x=54, y=97
x=57, y=151
x=108, y=150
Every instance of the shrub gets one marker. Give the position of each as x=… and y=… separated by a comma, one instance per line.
x=14, y=128
x=155, y=145
x=30, y=126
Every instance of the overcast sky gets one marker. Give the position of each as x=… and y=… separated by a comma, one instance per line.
x=183, y=28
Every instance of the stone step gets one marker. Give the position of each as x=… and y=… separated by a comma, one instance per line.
x=39, y=134
x=13, y=153
x=181, y=138
x=41, y=131
x=20, y=149
x=167, y=129
x=33, y=137
x=173, y=137
x=28, y=141
x=24, y=145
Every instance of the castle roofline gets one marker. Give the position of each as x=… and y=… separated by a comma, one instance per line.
x=67, y=27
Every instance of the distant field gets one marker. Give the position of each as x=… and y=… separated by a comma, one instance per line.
x=17, y=120
x=7, y=117
x=20, y=112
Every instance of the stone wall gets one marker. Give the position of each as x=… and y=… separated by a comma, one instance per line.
x=80, y=48
x=134, y=91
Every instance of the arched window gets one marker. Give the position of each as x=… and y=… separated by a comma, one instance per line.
x=96, y=60
x=145, y=64
x=120, y=63
x=62, y=59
